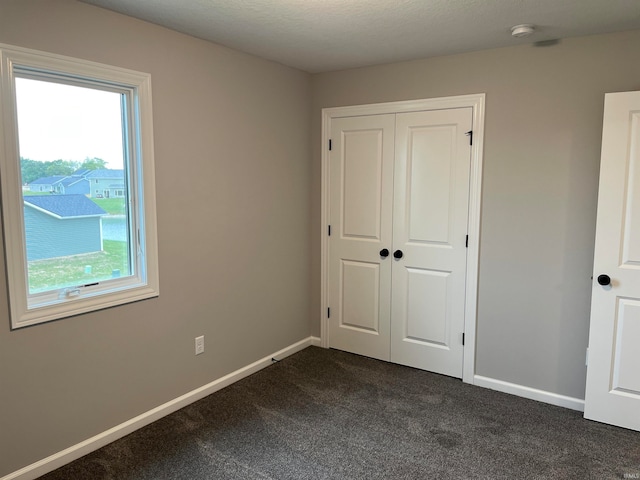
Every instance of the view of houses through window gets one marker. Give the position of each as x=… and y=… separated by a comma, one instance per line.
x=73, y=173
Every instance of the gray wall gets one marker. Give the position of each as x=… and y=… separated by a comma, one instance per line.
x=232, y=174
x=542, y=146
x=238, y=217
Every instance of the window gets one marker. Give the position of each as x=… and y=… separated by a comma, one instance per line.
x=69, y=252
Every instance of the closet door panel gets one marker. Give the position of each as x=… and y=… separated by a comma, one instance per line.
x=430, y=213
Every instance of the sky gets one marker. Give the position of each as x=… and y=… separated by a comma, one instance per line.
x=57, y=121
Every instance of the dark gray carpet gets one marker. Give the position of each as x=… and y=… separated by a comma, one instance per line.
x=324, y=414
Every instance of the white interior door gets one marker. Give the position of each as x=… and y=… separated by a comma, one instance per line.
x=431, y=201
x=613, y=373
x=361, y=165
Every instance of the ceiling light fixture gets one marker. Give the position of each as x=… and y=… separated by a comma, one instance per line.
x=523, y=30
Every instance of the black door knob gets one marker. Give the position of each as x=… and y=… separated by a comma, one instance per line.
x=397, y=254
x=384, y=253
x=604, y=280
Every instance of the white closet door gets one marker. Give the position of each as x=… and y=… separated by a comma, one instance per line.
x=430, y=214
x=361, y=184
x=613, y=372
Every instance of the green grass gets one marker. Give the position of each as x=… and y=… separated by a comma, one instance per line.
x=27, y=193
x=113, y=206
x=52, y=273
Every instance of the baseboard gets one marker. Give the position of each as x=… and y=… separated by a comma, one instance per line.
x=70, y=454
x=530, y=393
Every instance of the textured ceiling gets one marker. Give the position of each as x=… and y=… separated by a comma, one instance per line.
x=325, y=35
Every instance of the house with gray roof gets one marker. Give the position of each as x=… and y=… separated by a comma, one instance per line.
x=71, y=185
x=61, y=225
x=100, y=183
x=106, y=183
x=45, y=184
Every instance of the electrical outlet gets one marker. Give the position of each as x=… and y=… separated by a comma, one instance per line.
x=199, y=345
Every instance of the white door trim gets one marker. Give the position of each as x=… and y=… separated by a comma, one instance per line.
x=476, y=102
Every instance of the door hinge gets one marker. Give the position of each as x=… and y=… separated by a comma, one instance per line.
x=463, y=339
x=330, y=145
x=329, y=230
x=329, y=312
x=468, y=134
x=466, y=242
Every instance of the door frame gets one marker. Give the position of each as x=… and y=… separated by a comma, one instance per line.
x=477, y=103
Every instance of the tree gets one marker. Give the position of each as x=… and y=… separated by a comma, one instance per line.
x=93, y=164
x=33, y=169
x=60, y=167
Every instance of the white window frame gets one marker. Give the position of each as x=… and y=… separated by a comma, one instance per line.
x=30, y=309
